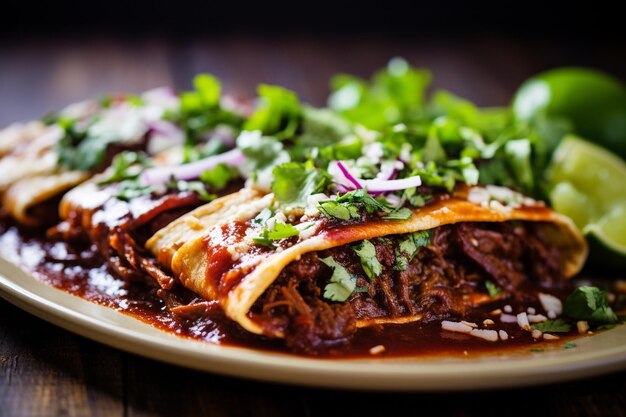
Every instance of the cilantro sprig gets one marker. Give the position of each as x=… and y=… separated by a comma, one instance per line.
x=366, y=251
x=591, y=304
x=351, y=205
x=341, y=284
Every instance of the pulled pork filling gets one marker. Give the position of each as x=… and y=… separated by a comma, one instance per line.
x=446, y=279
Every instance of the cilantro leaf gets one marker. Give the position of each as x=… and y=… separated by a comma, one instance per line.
x=197, y=187
x=283, y=231
x=279, y=112
x=121, y=167
x=295, y=182
x=394, y=95
x=200, y=110
x=589, y=303
x=553, y=326
x=337, y=210
x=261, y=152
x=278, y=232
x=129, y=189
x=77, y=150
x=218, y=177
x=341, y=284
x=408, y=246
x=401, y=213
x=366, y=252
x=322, y=127
x=492, y=289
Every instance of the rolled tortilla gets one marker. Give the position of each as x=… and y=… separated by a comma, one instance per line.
x=218, y=261
x=28, y=192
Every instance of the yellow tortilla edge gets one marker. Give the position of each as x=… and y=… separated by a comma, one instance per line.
x=239, y=301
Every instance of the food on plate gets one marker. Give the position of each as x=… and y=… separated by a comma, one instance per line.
x=324, y=277
x=389, y=214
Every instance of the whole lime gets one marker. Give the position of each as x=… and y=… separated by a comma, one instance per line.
x=594, y=102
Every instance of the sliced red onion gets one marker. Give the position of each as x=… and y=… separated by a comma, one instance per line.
x=159, y=175
x=348, y=176
x=346, y=181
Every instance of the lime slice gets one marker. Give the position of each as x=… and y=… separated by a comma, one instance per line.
x=588, y=184
x=607, y=237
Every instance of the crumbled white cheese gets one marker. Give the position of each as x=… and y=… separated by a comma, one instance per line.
x=377, y=350
x=536, y=318
x=489, y=335
x=453, y=326
x=536, y=334
x=312, y=202
x=508, y=318
x=307, y=229
x=503, y=334
x=522, y=321
x=548, y=336
x=551, y=303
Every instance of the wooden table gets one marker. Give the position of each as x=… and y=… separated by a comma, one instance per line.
x=48, y=371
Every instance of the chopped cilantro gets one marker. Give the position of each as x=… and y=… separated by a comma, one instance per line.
x=294, y=182
x=553, y=326
x=367, y=254
x=536, y=350
x=129, y=189
x=278, y=114
x=349, y=205
x=569, y=345
x=200, y=110
x=323, y=127
x=278, y=232
x=121, y=167
x=261, y=152
x=334, y=209
x=589, y=303
x=401, y=213
x=415, y=199
x=492, y=289
x=197, y=187
x=79, y=151
x=341, y=284
x=422, y=237
x=218, y=177
x=408, y=246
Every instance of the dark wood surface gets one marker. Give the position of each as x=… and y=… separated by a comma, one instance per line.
x=46, y=371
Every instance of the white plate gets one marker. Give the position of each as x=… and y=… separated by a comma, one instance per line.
x=598, y=354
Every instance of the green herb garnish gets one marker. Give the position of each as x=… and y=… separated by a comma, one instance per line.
x=367, y=254
x=295, y=182
x=341, y=284
x=553, y=326
x=218, y=177
x=589, y=303
x=492, y=289
x=278, y=232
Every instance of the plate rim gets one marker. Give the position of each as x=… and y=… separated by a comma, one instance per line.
x=406, y=374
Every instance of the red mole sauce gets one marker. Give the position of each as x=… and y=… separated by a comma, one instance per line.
x=81, y=271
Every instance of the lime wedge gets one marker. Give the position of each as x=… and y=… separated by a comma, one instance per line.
x=588, y=184
x=607, y=237
x=592, y=101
